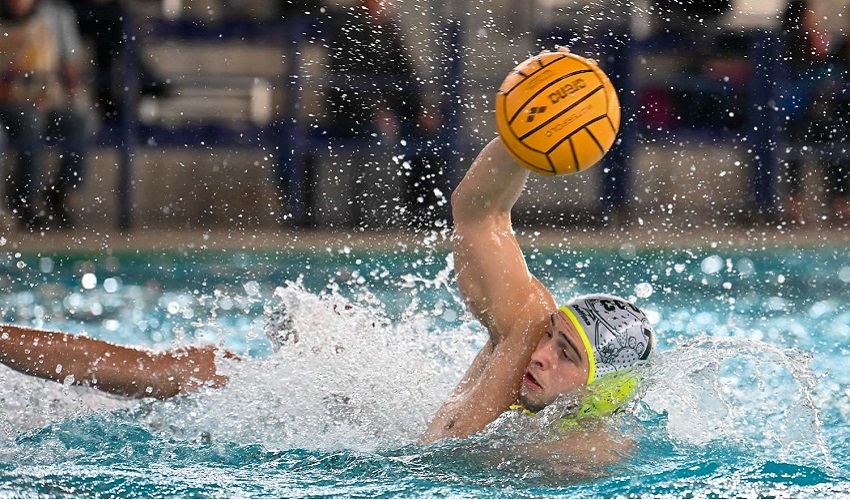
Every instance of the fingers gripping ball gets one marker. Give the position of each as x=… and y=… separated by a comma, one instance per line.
x=557, y=113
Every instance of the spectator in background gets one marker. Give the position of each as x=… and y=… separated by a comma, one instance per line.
x=375, y=92
x=103, y=21
x=289, y=9
x=688, y=18
x=813, y=111
x=835, y=116
x=39, y=77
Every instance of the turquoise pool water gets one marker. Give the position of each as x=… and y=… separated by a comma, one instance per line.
x=750, y=395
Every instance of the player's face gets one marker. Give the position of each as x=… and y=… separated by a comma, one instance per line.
x=20, y=7
x=558, y=365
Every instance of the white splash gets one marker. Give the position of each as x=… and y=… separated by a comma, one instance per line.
x=348, y=377
x=738, y=390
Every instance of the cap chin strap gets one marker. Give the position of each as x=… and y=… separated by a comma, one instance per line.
x=607, y=395
x=591, y=358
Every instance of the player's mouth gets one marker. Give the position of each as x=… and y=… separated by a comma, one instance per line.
x=529, y=380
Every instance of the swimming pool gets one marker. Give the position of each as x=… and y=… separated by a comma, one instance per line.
x=751, y=394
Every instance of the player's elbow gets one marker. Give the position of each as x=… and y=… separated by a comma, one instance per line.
x=461, y=205
x=468, y=205
x=474, y=215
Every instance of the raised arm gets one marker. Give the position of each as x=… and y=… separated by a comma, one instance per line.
x=493, y=278
x=111, y=368
x=499, y=290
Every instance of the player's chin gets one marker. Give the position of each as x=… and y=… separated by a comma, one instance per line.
x=530, y=402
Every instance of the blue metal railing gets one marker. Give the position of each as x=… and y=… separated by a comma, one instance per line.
x=127, y=133
x=300, y=140
x=293, y=138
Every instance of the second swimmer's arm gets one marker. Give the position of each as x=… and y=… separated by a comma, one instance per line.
x=120, y=370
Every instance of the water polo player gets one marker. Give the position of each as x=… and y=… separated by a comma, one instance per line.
x=536, y=350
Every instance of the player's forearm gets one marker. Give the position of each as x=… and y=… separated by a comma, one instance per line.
x=491, y=186
x=79, y=360
x=34, y=352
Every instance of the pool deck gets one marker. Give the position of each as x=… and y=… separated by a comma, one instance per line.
x=272, y=239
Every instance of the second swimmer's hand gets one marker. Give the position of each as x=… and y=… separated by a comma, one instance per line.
x=193, y=367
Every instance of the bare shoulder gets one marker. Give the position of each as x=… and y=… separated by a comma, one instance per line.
x=584, y=453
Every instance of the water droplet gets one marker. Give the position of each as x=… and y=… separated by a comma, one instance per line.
x=712, y=264
x=252, y=288
x=89, y=281
x=45, y=264
x=111, y=285
x=643, y=290
x=628, y=251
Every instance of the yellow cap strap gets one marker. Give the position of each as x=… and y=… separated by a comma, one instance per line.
x=521, y=408
x=591, y=359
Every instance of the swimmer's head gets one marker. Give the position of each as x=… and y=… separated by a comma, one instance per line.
x=589, y=338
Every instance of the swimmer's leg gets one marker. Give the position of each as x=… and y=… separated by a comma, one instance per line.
x=125, y=371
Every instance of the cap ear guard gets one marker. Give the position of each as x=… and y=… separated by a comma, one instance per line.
x=608, y=393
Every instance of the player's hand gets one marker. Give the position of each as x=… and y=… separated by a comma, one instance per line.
x=566, y=50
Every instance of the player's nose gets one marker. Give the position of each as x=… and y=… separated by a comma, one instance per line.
x=542, y=356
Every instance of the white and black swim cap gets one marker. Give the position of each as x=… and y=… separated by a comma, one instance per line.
x=616, y=333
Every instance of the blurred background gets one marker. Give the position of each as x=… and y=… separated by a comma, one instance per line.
x=363, y=114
